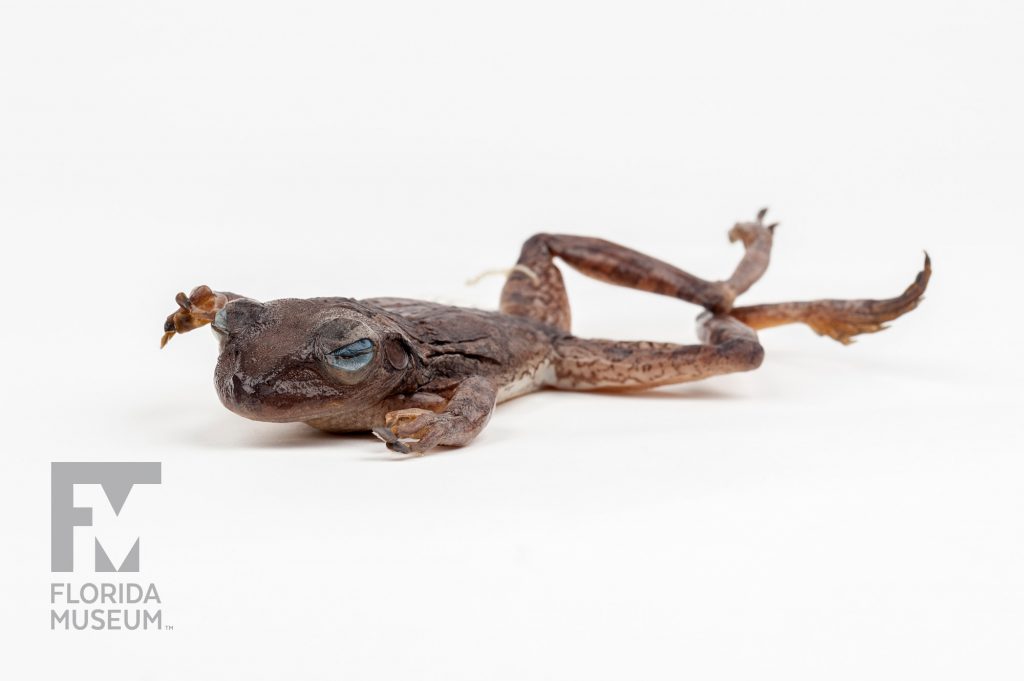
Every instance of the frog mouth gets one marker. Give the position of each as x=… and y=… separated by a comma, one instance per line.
x=255, y=408
x=277, y=400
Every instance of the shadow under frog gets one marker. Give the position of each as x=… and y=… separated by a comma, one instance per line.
x=421, y=374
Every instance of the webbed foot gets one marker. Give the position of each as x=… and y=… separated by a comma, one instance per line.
x=747, y=232
x=839, y=319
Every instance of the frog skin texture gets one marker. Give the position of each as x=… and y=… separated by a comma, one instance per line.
x=421, y=374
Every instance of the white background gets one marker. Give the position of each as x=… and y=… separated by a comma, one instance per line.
x=842, y=513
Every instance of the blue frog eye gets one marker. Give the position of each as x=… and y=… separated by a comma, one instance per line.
x=220, y=321
x=353, y=356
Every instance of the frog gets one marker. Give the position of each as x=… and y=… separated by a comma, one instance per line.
x=421, y=375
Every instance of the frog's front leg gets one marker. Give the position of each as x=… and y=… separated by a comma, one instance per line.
x=416, y=431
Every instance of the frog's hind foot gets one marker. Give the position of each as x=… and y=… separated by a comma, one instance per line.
x=839, y=319
x=757, y=242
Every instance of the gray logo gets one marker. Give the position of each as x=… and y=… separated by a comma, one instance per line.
x=117, y=480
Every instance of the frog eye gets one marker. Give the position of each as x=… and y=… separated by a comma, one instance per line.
x=220, y=321
x=236, y=315
x=353, y=356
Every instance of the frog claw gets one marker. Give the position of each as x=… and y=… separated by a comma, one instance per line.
x=399, y=447
x=388, y=437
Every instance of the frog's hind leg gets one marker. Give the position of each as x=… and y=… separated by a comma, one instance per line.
x=839, y=319
x=729, y=340
x=535, y=288
x=727, y=346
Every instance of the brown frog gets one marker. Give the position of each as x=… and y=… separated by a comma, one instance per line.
x=420, y=374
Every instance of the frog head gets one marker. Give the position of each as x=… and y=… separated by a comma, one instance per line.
x=298, y=360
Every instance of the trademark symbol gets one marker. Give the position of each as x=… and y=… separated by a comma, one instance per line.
x=168, y=627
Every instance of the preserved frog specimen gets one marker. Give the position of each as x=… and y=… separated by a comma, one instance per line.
x=421, y=374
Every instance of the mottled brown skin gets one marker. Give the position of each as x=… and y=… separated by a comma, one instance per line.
x=431, y=374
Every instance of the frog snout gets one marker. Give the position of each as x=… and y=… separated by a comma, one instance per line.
x=267, y=398
x=243, y=396
x=268, y=389
x=241, y=387
x=255, y=391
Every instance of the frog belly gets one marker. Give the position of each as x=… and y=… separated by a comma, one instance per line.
x=529, y=381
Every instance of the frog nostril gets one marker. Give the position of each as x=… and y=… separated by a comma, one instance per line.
x=241, y=388
x=265, y=390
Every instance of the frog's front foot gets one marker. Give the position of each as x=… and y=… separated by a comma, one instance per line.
x=194, y=310
x=417, y=431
